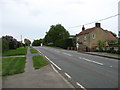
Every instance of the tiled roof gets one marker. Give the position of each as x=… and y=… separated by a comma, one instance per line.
x=110, y=36
x=86, y=31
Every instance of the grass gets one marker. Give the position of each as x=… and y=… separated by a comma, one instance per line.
x=32, y=50
x=39, y=61
x=13, y=65
x=14, y=52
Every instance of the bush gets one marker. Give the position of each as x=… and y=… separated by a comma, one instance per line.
x=111, y=51
x=5, y=45
x=118, y=52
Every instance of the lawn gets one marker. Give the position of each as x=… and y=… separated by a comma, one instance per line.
x=32, y=50
x=13, y=65
x=39, y=61
x=14, y=52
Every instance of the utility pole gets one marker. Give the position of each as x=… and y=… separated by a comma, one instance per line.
x=21, y=38
x=21, y=41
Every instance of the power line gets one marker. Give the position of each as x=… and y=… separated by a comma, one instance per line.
x=96, y=21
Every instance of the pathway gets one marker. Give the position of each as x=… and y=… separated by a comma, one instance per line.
x=45, y=77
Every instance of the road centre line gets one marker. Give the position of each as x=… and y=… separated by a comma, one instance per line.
x=80, y=86
x=91, y=61
x=67, y=54
x=56, y=51
x=68, y=75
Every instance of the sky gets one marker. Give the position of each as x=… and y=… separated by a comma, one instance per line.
x=33, y=18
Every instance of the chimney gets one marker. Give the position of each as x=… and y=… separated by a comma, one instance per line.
x=98, y=25
x=83, y=28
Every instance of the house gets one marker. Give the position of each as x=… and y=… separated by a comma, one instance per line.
x=88, y=39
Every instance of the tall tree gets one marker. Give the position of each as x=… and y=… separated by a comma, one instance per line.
x=27, y=42
x=56, y=36
x=37, y=42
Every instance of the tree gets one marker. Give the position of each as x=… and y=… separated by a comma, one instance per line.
x=27, y=42
x=101, y=44
x=56, y=36
x=114, y=34
x=5, y=45
x=37, y=42
x=13, y=43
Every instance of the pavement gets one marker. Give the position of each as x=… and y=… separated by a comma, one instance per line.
x=88, y=71
x=103, y=54
x=45, y=77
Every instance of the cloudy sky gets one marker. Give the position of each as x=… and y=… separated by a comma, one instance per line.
x=32, y=18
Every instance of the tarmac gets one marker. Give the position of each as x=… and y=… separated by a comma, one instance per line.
x=45, y=77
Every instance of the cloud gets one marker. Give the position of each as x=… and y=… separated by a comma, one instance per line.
x=34, y=17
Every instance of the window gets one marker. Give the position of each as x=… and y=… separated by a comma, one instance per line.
x=93, y=36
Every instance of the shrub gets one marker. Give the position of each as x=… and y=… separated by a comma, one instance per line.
x=118, y=52
x=5, y=45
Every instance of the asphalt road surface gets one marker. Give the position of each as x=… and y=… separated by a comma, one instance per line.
x=89, y=70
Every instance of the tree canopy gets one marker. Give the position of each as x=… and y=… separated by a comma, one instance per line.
x=37, y=42
x=27, y=42
x=56, y=36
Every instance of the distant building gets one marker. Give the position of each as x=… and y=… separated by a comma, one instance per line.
x=88, y=39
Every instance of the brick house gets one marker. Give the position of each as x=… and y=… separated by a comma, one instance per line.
x=88, y=39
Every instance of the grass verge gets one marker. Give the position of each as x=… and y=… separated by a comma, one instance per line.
x=32, y=50
x=39, y=61
x=13, y=65
x=14, y=52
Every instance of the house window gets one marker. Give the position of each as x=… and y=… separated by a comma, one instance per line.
x=93, y=36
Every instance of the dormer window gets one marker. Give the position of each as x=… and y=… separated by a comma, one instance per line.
x=93, y=36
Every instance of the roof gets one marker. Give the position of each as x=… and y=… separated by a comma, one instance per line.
x=109, y=34
x=86, y=31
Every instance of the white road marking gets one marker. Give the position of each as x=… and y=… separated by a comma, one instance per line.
x=80, y=86
x=56, y=51
x=111, y=66
x=62, y=77
x=53, y=63
x=91, y=61
x=38, y=51
x=54, y=68
x=67, y=54
x=68, y=75
x=80, y=57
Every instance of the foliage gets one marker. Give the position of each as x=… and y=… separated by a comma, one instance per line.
x=56, y=36
x=5, y=45
x=12, y=66
x=37, y=42
x=114, y=34
x=14, y=52
x=39, y=61
x=13, y=43
x=32, y=50
x=101, y=44
x=27, y=42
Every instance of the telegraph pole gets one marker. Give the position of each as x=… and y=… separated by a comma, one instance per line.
x=21, y=41
x=21, y=38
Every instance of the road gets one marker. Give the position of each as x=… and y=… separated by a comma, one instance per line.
x=89, y=70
